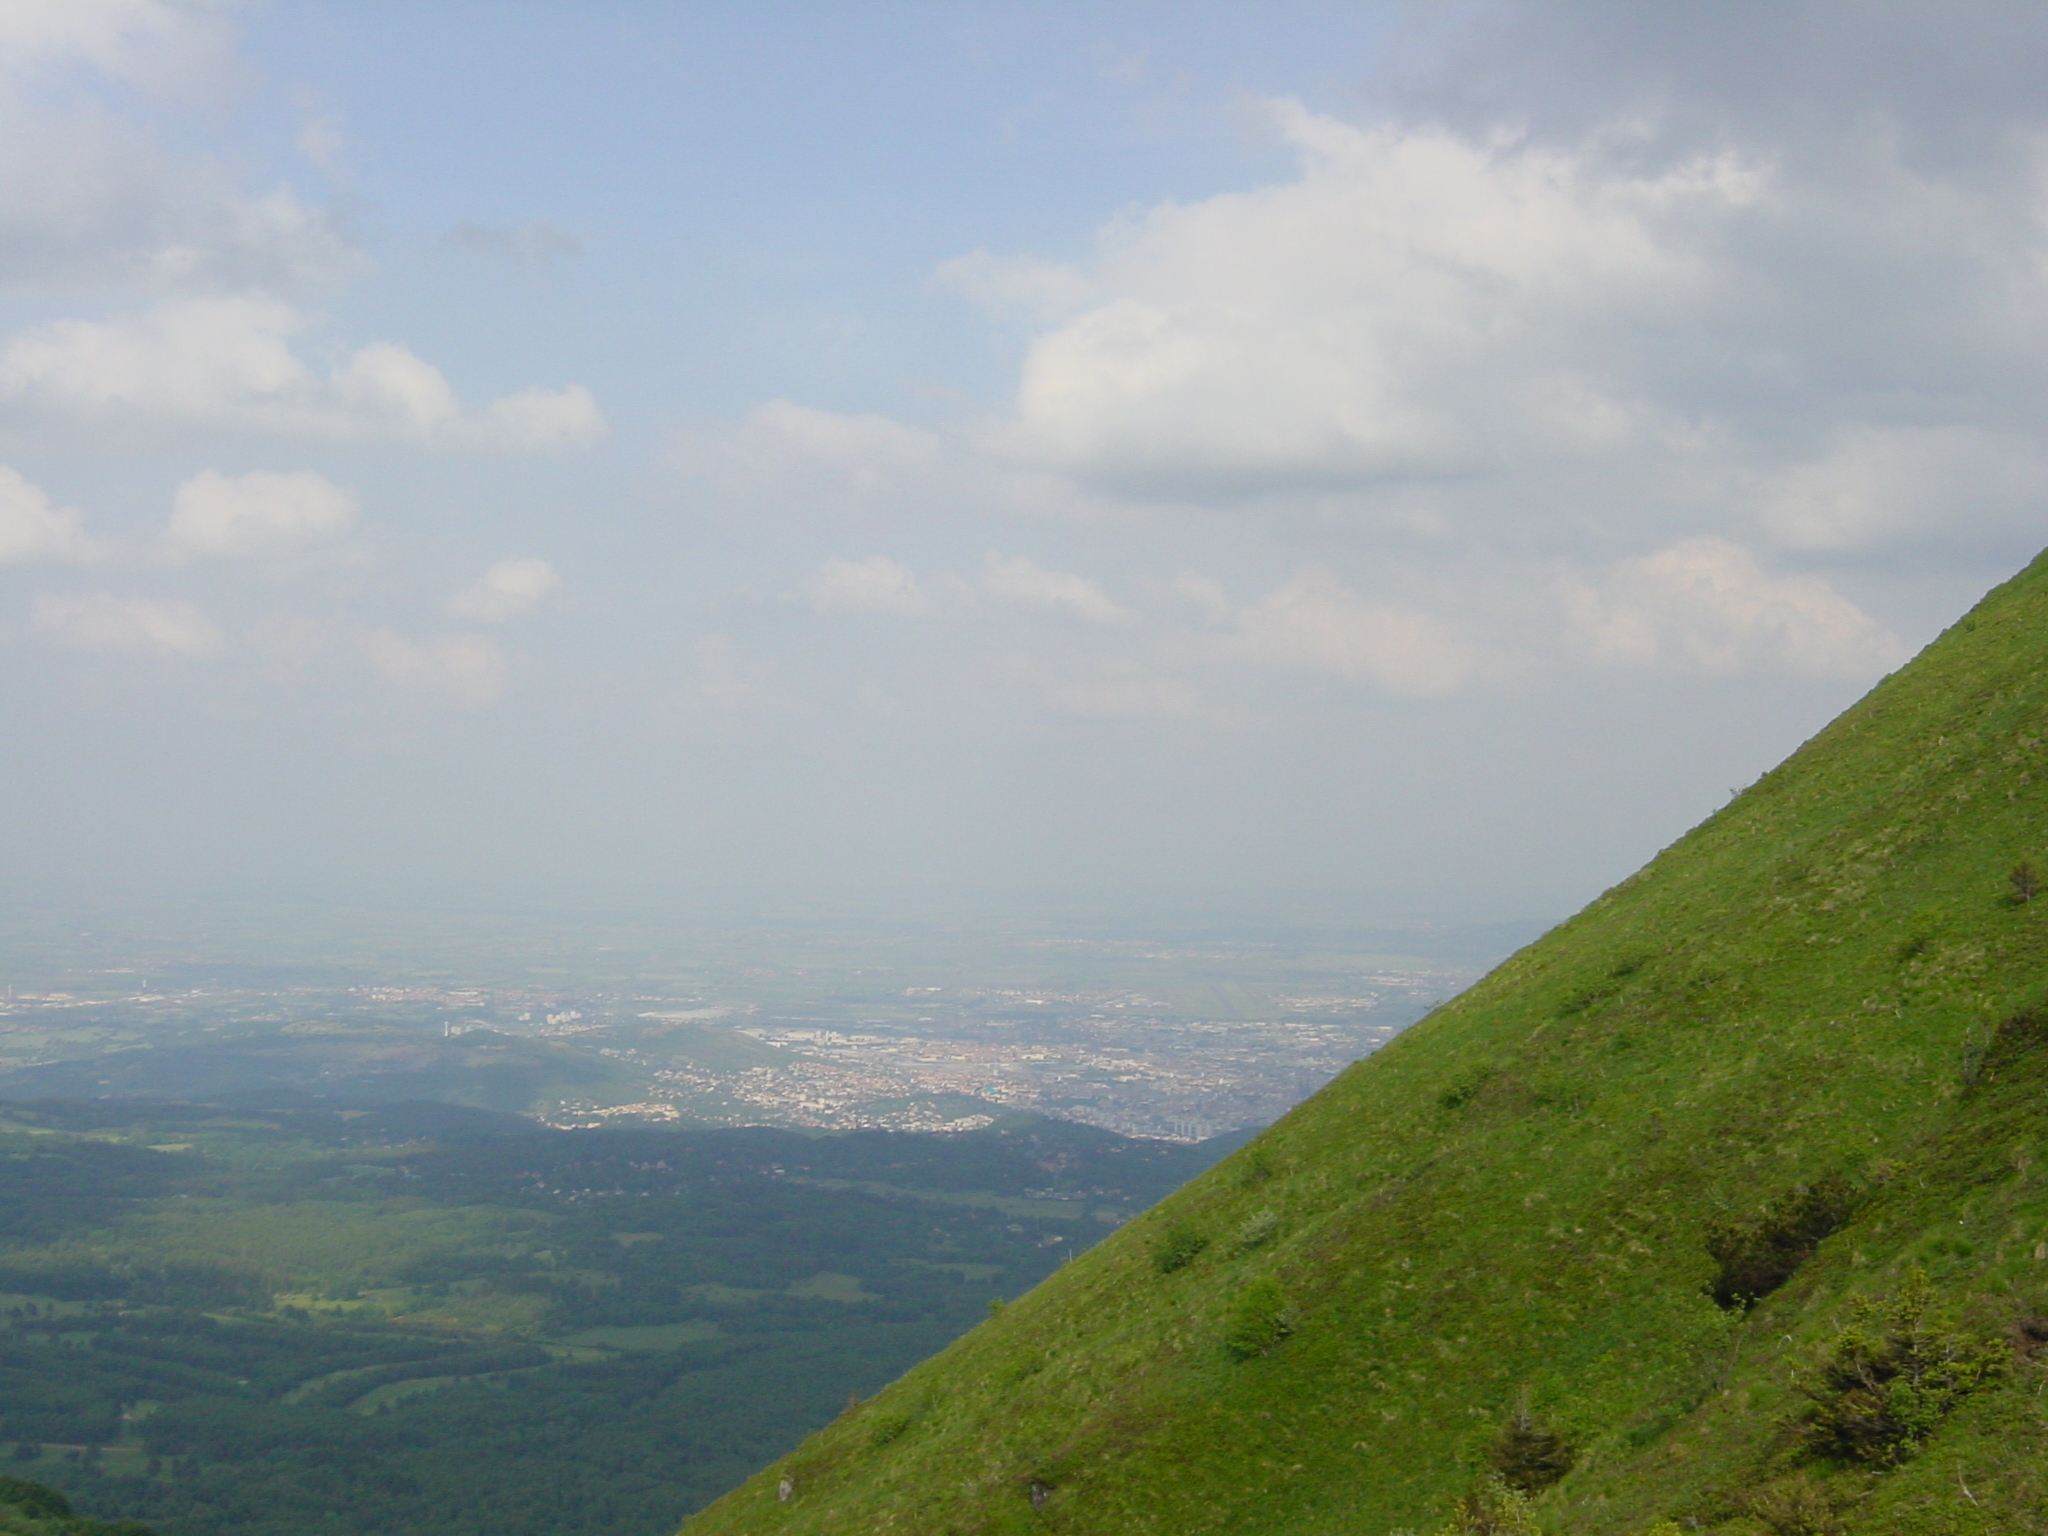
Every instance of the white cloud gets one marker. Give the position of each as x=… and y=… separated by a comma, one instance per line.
x=875, y=585
x=1314, y=623
x=91, y=195
x=385, y=389
x=1414, y=303
x=135, y=626
x=1705, y=605
x=468, y=669
x=1021, y=583
x=538, y=418
x=88, y=197
x=259, y=514
x=32, y=529
x=159, y=45
x=872, y=445
x=507, y=590
x=228, y=364
x=1877, y=486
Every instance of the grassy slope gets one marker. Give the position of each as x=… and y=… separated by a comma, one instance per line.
x=1510, y=1198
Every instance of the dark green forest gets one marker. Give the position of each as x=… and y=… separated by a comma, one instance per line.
x=316, y=1317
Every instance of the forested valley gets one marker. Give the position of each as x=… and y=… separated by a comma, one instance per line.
x=305, y=1315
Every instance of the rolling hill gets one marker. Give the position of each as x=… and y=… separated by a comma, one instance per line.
x=1721, y=1204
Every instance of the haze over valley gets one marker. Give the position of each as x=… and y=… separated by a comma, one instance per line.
x=1181, y=1037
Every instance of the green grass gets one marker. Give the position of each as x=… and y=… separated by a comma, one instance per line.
x=1509, y=1205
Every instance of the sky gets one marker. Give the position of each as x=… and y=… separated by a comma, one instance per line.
x=1398, y=461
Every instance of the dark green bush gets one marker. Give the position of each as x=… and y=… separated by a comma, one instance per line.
x=1258, y=1318
x=1528, y=1455
x=2022, y=883
x=1176, y=1248
x=1756, y=1257
x=2016, y=1039
x=1889, y=1378
x=1465, y=1089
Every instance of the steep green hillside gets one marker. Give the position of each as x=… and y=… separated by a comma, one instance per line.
x=1802, y=1038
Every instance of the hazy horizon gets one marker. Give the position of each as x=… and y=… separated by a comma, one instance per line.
x=1321, y=465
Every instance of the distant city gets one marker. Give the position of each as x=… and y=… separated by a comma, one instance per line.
x=1181, y=1042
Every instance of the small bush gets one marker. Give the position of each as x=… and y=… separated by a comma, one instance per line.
x=1756, y=1257
x=1889, y=1378
x=888, y=1428
x=1794, y=1506
x=1465, y=1089
x=1492, y=1509
x=2023, y=883
x=1527, y=1455
x=2017, y=1038
x=1258, y=1319
x=1177, y=1248
x=1258, y=1230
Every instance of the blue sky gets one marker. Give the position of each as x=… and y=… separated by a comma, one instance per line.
x=1383, y=460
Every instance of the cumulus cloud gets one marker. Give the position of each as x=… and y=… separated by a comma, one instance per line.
x=873, y=446
x=875, y=585
x=1017, y=582
x=133, y=626
x=159, y=45
x=1875, y=486
x=1446, y=327
x=537, y=418
x=262, y=514
x=31, y=529
x=507, y=590
x=1315, y=623
x=467, y=669
x=227, y=363
x=1414, y=303
x=1706, y=605
x=89, y=195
